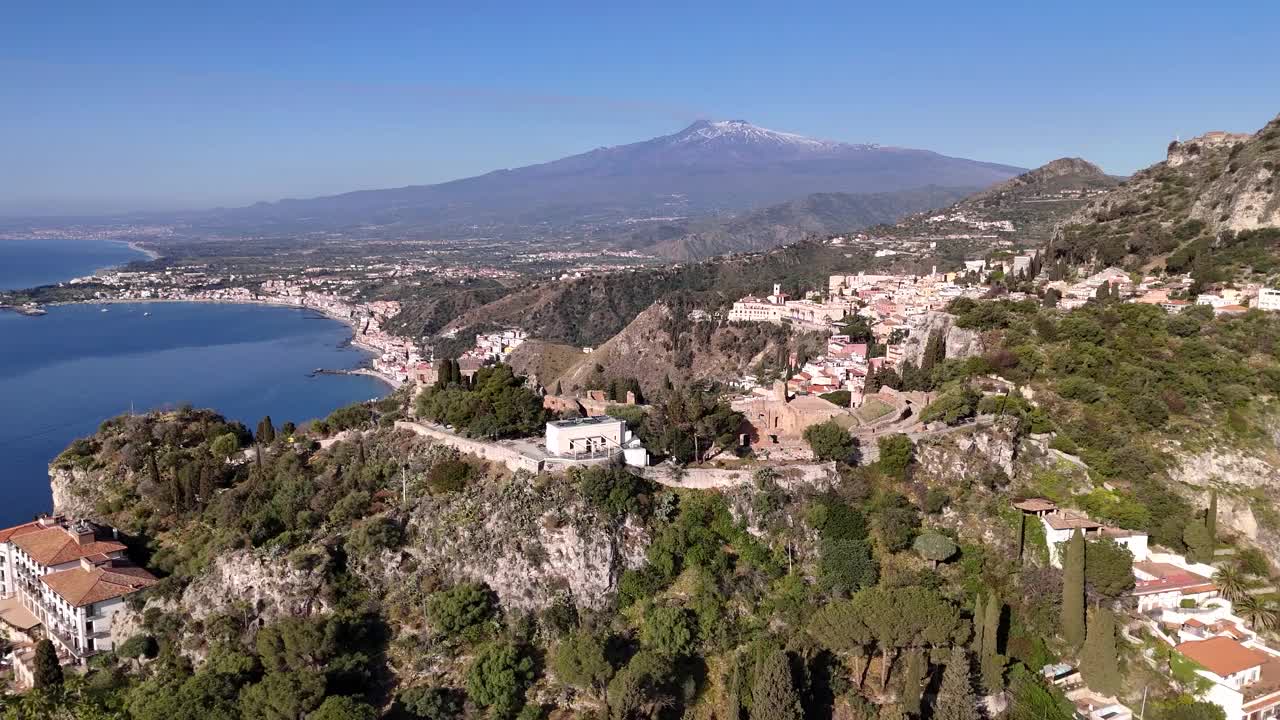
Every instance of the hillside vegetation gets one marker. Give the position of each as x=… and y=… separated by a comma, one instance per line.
x=1212, y=198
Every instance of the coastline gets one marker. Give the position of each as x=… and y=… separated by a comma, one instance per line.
x=384, y=378
x=138, y=247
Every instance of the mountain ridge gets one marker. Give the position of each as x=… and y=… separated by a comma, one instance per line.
x=705, y=169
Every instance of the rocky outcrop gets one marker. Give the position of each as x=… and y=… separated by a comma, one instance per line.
x=532, y=544
x=1244, y=479
x=962, y=457
x=78, y=492
x=961, y=342
x=260, y=584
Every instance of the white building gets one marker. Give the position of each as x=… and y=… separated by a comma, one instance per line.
x=1243, y=675
x=1268, y=299
x=65, y=581
x=1163, y=583
x=1060, y=525
x=599, y=434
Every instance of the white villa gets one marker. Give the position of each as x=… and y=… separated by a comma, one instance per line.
x=66, y=581
x=1059, y=525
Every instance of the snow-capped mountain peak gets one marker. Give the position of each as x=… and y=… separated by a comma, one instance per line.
x=741, y=131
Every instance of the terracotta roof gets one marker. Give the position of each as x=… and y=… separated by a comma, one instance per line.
x=1168, y=578
x=54, y=546
x=1036, y=505
x=81, y=587
x=1222, y=656
x=1070, y=521
x=16, y=530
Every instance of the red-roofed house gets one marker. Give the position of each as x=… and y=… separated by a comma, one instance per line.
x=66, y=581
x=1159, y=585
x=1245, y=676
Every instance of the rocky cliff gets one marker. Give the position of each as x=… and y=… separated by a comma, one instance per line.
x=1216, y=182
x=961, y=342
x=532, y=540
x=261, y=584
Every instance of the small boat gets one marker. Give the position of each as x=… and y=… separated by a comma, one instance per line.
x=146, y=314
x=106, y=310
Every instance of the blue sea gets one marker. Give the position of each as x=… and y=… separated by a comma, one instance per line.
x=31, y=263
x=63, y=373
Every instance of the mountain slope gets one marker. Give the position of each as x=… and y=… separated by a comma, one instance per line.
x=1216, y=183
x=813, y=215
x=707, y=167
x=1064, y=175
x=1025, y=209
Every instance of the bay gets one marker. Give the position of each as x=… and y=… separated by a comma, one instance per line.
x=63, y=373
x=31, y=263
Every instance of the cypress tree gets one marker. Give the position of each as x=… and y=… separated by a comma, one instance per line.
x=773, y=696
x=46, y=671
x=1099, y=660
x=1022, y=535
x=992, y=662
x=979, y=626
x=913, y=682
x=1073, y=591
x=266, y=431
x=559, y=390
x=153, y=468
x=991, y=626
x=1211, y=516
x=956, y=699
x=206, y=483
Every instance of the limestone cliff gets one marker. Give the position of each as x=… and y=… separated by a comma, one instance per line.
x=259, y=584
x=1248, y=485
x=961, y=342
x=76, y=491
x=1216, y=182
x=960, y=458
x=532, y=540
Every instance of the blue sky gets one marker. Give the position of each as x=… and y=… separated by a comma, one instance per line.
x=134, y=105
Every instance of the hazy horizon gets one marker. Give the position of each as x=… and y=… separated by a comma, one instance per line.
x=164, y=108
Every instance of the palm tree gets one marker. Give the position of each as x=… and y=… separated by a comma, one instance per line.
x=1261, y=614
x=1232, y=582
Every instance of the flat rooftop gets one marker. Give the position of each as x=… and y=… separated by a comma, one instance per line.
x=585, y=421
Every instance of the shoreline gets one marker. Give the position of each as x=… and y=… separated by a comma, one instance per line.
x=136, y=246
x=385, y=379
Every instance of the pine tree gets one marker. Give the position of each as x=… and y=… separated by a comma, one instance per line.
x=1073, y=591
x=1211, y=516
x=1099, y=660
x=992, y=662
x=956, y=699
x=773, y=696
x=46, y=671
x=979, y=626
x=913, y=682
